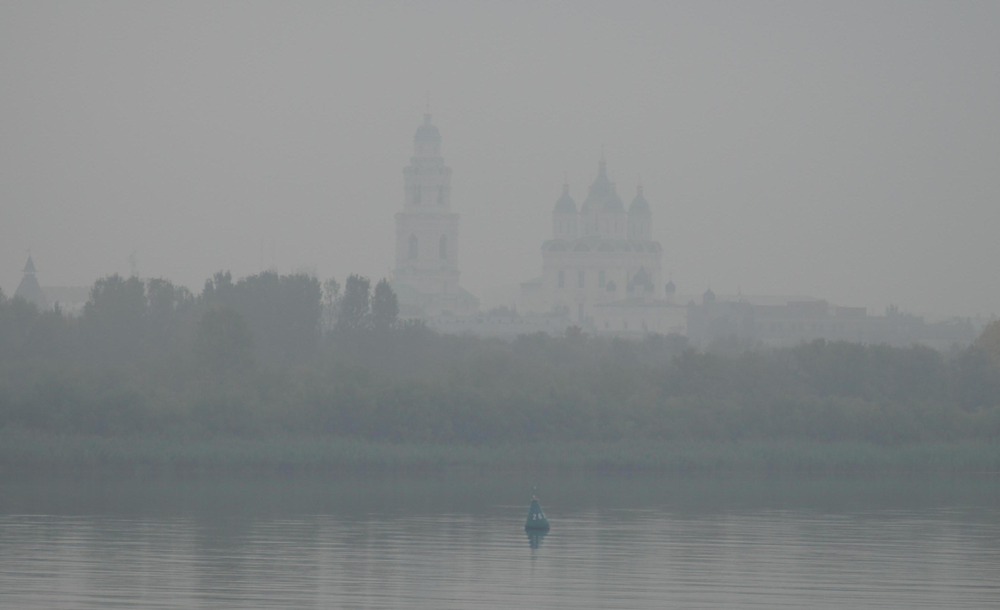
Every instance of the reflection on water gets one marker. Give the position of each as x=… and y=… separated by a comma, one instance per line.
x=535, y=538
x=459, y=543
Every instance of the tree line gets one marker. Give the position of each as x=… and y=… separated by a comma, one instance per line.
x=277, y=355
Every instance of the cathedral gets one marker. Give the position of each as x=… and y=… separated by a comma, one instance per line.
x=602, y=267
x=426, y=277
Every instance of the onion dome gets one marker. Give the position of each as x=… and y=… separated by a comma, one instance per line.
x=565, y=204
x=602, y=185
x=614, y=203
x=601, y=191
x=427, y=132
x=671, y=288
x=708, y=297
x=639, y=205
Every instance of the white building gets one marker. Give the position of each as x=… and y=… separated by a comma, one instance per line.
x=602, y=266
x=760, y=320
x=426, y=278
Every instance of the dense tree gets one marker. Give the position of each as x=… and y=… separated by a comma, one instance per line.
x=126, y=320
x=352, y=313
x=282, y=311
x=989, y=342
x=223, y=342
x=219, y=289
x=16, y=317
x=26, y=332
x=150, y=358
x=331, y=296
x=385, y=306
x=170, y=315
x=113, y=319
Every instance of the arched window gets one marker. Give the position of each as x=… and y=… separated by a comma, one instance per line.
x=413, y=247
x=443, y=247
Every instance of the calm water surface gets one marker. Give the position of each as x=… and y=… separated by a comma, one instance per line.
x=447, y=542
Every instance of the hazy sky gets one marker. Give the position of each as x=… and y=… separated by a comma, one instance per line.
x=843, y=150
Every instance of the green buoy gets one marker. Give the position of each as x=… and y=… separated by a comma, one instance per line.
x=536, y=518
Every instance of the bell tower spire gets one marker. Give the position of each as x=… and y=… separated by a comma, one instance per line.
x=426, y=274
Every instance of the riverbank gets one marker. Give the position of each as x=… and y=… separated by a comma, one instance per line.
x=23, y=452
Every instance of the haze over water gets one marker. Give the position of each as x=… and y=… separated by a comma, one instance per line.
x=459, y=543
x=841, y=150
x=845, y=151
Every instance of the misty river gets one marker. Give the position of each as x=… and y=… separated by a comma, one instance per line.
x=435, y=541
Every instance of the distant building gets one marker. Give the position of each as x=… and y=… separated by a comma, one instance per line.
x=426, y=277
x=640, y=316
x=502, y=323
x=69, y=300
x=799, y=321
x=602, y=267
x=602, y=272
x=28, y=289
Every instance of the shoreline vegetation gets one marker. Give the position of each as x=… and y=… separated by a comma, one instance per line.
x=32, y=454
x=280, y=373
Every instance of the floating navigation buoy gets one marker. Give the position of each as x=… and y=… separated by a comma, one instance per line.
x=536, y=518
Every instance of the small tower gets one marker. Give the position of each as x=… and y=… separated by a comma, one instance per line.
x=564, y=216
x=598, y=197
x=28, y=289
x=670, y=291
x=426, y=277
x=640, y=217
x=612, y=223
x=708, y=297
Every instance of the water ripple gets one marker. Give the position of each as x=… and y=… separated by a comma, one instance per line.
x=598, y=559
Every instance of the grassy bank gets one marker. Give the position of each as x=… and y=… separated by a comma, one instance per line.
x=25, y=453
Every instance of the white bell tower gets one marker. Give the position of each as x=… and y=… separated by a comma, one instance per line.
x=426, y=276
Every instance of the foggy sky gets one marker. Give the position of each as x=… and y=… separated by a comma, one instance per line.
x=847, y=151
